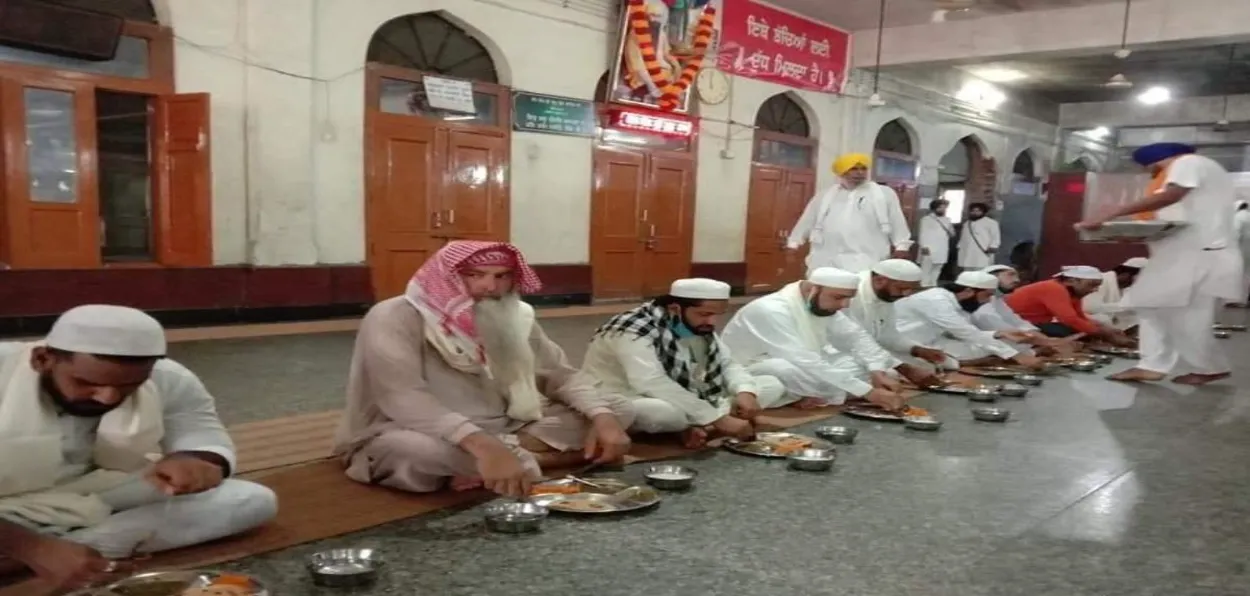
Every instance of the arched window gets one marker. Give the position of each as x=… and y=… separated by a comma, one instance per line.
x=783, y=115
x=131, y=10
x=430, y=43
x=894, y=138
x=1023, y=168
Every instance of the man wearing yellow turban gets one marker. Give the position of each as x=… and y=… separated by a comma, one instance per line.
x=854, y=225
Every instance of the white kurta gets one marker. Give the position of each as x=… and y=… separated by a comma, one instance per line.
x=852, y=229
x=934, y=318
x=936, y=232
x=1189, y=272
x=876, y=317
x=1241, y=222
x=190, y=424
x=812, y=356
x=628, y=365
x=1104, y=304
x=977, y=237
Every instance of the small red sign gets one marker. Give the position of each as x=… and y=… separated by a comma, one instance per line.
x=666, y=124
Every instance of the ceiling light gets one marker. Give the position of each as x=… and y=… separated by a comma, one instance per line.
x=1098, y=132
x=1118, y=81
x=1123, y=53
x=1155, y=96
x=1000, y=75
x=981, y=94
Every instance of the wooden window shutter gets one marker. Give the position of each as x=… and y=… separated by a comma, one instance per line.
x=184, y=182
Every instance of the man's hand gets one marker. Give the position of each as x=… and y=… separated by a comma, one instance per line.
x=737, y=428
x=65, y=565
x=883, y=380
x=606, y=442
x=1096, y=221
x=1016, y=336
x=890, y=401
x=746, y=406
x=1122, y=339
x=1030, y=362
x=919, y=376
x=183, y=474
x=503, y=472
x=929, y=354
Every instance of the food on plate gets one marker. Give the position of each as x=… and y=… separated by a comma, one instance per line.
x=909, y=411
x=555, y=489
x=786, y=445
x=583, y=505
x=224, y=585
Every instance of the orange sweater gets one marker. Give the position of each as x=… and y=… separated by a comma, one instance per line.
x=1049, y=301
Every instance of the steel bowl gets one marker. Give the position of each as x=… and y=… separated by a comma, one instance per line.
x=1030, y=380
x=1222, y=335
x=928, y=423
x=514, y=517
x=1084, y=366
x=345, y=567
x=1102, y=359
x=838, y=435
x=983, y=394
x=1013, y=390
x=670, y=477
x=991, y=414
x=813, y=460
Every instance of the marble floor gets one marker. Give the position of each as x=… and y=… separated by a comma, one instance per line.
x=1092, y=489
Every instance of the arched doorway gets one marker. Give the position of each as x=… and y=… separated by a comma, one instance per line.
x=1023, y=168
x=101, y=155
x=436, y=168
x=642, y=200
x=895, y=159
x=965, y=177
x=783, y=180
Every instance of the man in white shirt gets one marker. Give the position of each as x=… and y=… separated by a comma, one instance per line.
x=873, y=309
x=853, y=225
x=942, y=317
x=108, y=450
x=1241, y=224
x=1103, y=305
x=664, y=355
x=979, y=239
x=997, y=315
x=936, y=232
x=799, y=336
x=1190, y=271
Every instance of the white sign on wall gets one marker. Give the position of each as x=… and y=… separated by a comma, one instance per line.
x=449, y=94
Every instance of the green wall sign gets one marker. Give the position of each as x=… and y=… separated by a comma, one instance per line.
x=532, y=112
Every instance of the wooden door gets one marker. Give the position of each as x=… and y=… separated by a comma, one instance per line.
x=183, y=180
x=475, y=204
x=407, y=161
x=670, y=221
x=618, y=224
x=768, y=214
x=51, y=188
x=800, y=188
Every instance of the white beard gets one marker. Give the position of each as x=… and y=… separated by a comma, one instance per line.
x=509, y=357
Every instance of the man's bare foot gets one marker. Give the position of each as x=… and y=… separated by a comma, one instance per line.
x=1198, y=380
x=810, y=403
x=463, y=483
x=694, y=437
x=1137, y=375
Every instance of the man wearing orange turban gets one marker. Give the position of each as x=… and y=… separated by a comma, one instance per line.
x=854, y=225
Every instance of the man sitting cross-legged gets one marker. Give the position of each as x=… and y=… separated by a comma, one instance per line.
x=456, y=381
x=800, y=336
x=666, y=357
x=109, y=450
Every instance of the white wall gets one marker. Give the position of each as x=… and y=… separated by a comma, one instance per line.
x=288, y=90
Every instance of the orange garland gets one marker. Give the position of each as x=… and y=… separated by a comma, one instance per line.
x=670, y=92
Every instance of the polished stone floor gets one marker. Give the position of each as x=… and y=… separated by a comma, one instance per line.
x=1092, y=489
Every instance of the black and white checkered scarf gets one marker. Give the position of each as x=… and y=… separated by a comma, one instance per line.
x=653, y=322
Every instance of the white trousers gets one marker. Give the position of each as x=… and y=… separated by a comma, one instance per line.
x=1171, y=335
x=653, y=415
x=930, y=272
x=799, y=383
x=140, y=517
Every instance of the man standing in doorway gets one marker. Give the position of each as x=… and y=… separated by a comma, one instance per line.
x=936, y=232
x=979, y=240
x=1189, y=272
x=854, y=225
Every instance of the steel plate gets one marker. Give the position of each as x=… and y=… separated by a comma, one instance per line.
x=596, y=501
x=1114, y=351
x=992, y=372
x=1221, y=327
x=145, y=584
x=760, y=447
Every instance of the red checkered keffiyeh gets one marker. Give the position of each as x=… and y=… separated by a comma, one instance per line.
x=437, y=287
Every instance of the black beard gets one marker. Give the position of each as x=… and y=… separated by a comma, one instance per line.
x=80, y=409
x=970, y=305
x=815, y=309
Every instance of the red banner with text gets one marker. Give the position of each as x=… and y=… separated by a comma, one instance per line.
x=763, y=43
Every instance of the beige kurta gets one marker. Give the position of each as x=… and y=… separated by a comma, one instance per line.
x=408, y=410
